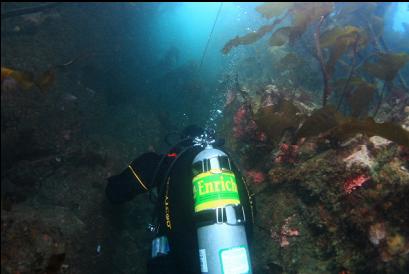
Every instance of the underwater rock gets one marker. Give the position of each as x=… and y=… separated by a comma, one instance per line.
x=361, y=157
x=255, y=176
x=285, y=232
x=287, y=154
x=379, y=142
x=230, y=97
x=35, y=240
x=278, y=175
x=244, y=126
x=307, y=149
x=377, y=233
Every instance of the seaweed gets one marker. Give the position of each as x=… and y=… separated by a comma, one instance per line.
x=291, y=61
x=270, y=10
x=302, y=15
x=356, y=10
x=306, y=13
x=24, y=79
x=361, y=99
x=252, y=36
x=330, y=122
x=321, y=120
x=320, y=58
x=275, y=120
x=359, y=94
x=377, y=25
x=351, y=126
x=339, y=40
x=280, y=36
x=45, y=80
x=387, y=65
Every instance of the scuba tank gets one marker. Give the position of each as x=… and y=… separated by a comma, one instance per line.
x=220, y=218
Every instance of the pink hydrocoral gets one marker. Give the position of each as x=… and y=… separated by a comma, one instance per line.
x=355, y=182
x=255, y=176
x=288, y=154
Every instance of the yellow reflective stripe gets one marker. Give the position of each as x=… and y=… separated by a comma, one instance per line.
x=212, y=172
x=250, y=196
x=137, y=177
x=214, y=204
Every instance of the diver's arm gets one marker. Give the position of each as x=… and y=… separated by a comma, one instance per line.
x=135, y=179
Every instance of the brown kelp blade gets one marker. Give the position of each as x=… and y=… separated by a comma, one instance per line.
x=320, y=121
x=330, y=122
x=387, y=65
x=361, y=99
x=280, y=36
x=275, y=120
x=369, y=127
x=248, y=38
x=270, y=10
x=24, y=79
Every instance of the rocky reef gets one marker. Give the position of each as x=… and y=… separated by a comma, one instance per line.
x=316, y=116
x=323, y=206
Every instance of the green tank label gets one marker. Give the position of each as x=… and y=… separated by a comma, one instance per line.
x=214, y=189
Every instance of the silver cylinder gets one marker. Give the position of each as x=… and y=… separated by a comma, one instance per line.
x=223, y=249
x=223, y=246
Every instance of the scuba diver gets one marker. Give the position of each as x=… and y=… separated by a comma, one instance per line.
x=203, y=213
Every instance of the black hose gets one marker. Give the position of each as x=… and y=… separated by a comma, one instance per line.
x=155, y=174
x=161, y=187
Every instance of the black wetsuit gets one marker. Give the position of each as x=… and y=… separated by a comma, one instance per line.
x=175, y=205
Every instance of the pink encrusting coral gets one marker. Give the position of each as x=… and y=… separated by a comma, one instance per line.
x=255, y=176
x=355, y=182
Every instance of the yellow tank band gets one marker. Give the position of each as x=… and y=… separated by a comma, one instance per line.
x=137, y=177
x=215, y=204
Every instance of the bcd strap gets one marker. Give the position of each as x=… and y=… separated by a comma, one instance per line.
x=230, y=214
